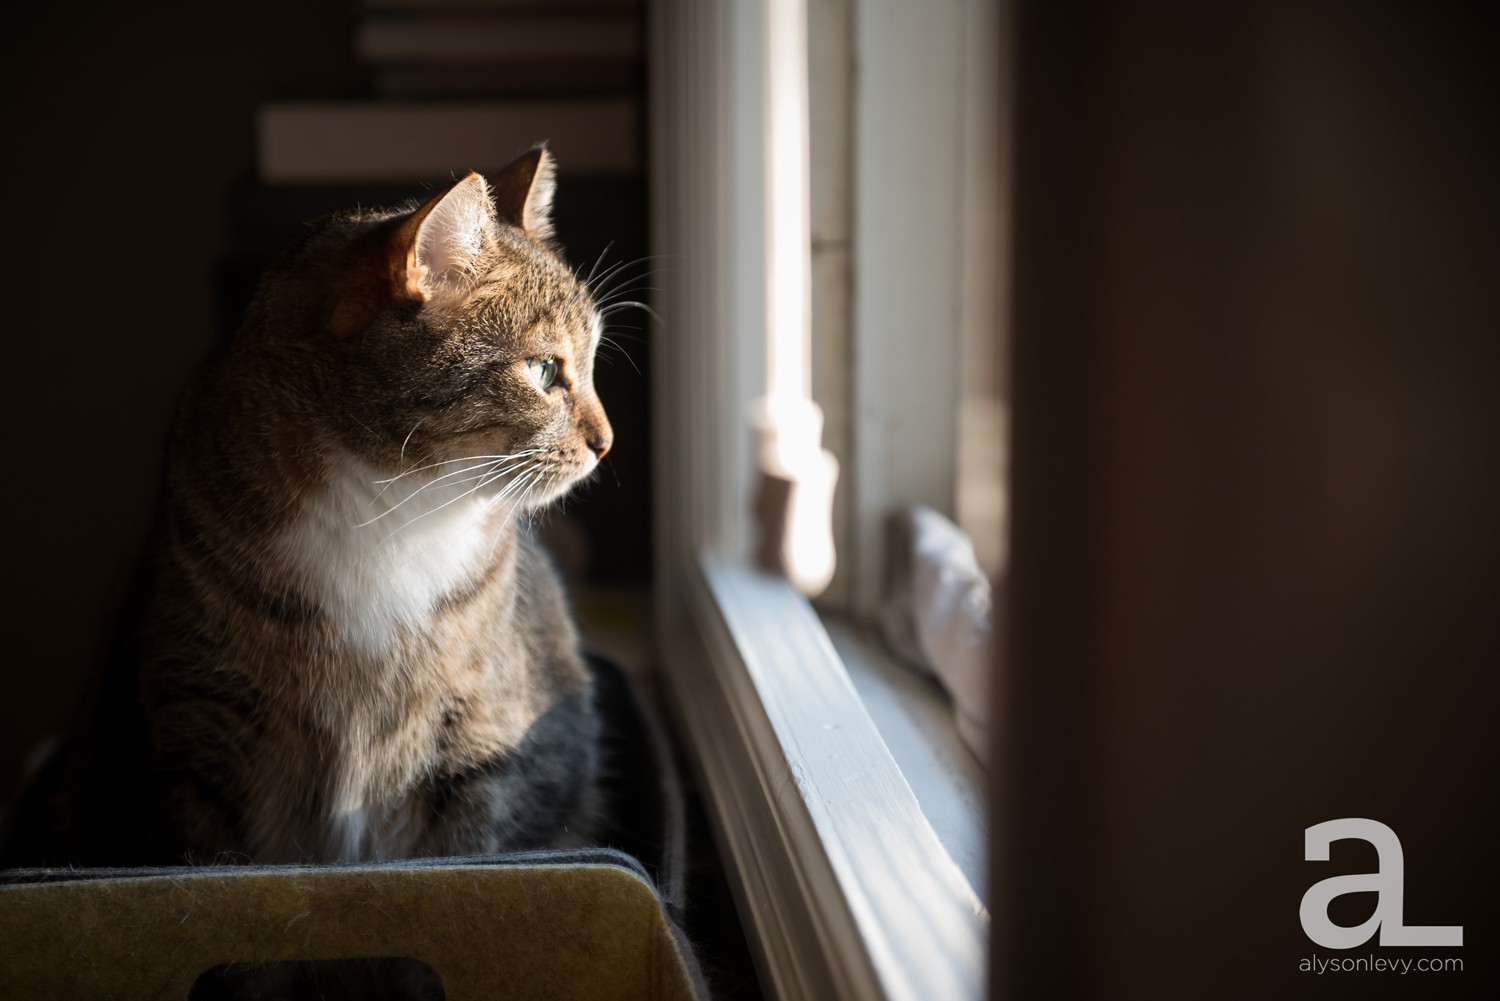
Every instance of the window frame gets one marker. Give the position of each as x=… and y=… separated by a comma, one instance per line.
x=843, y=887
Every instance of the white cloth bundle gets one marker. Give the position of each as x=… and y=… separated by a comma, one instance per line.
x=938, y=615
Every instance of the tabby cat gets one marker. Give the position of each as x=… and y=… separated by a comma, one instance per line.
x=349, y=646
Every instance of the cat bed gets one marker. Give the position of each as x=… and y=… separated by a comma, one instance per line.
x=586, y=925
x=590, y=924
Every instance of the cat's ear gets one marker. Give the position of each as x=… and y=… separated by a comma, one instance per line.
x=523, y=192
x=442, y=240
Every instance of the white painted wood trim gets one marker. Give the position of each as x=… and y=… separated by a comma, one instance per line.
x=830, y=77
x=980, y=503
x=845, y=890
x=915, y=717
x=908, y=300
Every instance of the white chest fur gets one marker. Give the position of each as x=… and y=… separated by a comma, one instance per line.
x=377, y=556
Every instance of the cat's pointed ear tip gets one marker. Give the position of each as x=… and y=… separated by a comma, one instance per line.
x=539, y=156
x=474, y=186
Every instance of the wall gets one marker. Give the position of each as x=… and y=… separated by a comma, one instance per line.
x=125, y=126
x=1255, y=559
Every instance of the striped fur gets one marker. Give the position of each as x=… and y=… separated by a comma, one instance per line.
x=348, y=647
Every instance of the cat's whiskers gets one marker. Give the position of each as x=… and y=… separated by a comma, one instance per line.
x=401, y=456
x=520, y=501
x=608, y=341
x=518, y=471
x=430, y=511
x=614, y=283
x=600, y=286
x=480, y=462
x=597, y=261
x=479, y=472
x=616, y=296
x=605, y=312
x=623, y=299
x=514, y=489
x=447, y=462
x=604, y=289
x=476, y=472
x=611, y=301
x=481, y=480
x=510, y=492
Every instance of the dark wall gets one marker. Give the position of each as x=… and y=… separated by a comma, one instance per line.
x=124, y=127
x=1255, y=570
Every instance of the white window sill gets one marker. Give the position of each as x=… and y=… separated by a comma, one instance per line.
x=845, y=887
x=914, y=716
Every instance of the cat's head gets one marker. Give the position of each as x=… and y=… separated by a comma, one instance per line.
x=451, y=341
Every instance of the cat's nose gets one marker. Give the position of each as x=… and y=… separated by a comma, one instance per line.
x=600, y=445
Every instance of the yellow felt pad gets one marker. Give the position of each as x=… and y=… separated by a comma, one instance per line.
x=584, y=932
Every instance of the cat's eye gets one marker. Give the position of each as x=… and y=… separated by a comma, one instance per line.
x=543, y=370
